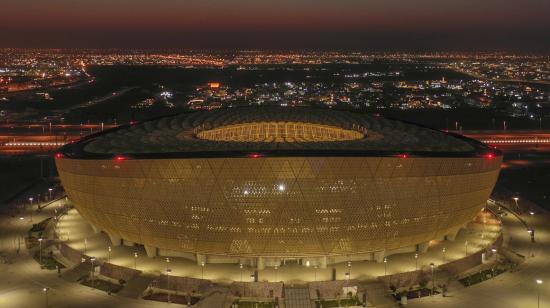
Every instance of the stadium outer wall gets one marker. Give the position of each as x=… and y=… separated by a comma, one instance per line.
x=260, y=211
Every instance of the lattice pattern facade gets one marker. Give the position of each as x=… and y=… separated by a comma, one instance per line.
x=279, y=132
x=280, y=206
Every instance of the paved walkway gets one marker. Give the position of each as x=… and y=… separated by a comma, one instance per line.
x=23, y=281
x=77, y=233
x=514, y=289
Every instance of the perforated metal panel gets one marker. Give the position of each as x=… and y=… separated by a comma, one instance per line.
x=280, y=206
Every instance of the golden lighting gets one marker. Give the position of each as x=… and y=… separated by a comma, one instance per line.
x=279, y=132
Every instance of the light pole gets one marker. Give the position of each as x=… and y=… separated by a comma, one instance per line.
x=539, y=282
x=30, y=201
x=516, y=199
x=416, y=261
x=45, y=290
x=315, y=267
x=241, y=267
x=276, y=268
x=50, y=193
x=444, y=250
x=168, y=271
x=135, y=260
x=167, y=263
x=483, y=232
x=40, y=251
x=432, y=265
x=349, y=268
x=385, y=266
x=85, y=245
x=92, y=259
x=109, y=254
x=202, y=270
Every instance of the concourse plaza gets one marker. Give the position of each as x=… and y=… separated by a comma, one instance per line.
x=275, y=207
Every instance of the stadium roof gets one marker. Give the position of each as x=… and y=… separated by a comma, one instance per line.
x=300, y=131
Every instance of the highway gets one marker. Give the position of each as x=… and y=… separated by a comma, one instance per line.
x=46, y=137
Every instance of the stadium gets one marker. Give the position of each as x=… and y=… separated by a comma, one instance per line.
x=267, y=185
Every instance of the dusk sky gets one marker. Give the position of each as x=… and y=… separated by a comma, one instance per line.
x=471, y=25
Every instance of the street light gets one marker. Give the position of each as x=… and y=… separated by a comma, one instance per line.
x=444, y=250
x=30, y=200
x=202, y=270
x=516, y=200
x=135, y=259
x=167, y=262
x=416, y=261
x=92, y=259
x=315, y=267
x=385, y=266
x=50, y=193
x=168, y=271
x=349, y=267
x=85, y=245
x=432, y=265
x=539, y=282
x=45, y=290
x=40, y=250
x=241, y=267
x=109, y=254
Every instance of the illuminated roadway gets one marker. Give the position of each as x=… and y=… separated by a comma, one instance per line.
x=46, y=137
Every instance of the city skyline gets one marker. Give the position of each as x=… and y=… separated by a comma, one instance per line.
x=343, y=25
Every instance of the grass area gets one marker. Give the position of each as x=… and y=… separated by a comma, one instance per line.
x=177, y=299
x=41, y=226
x=48, y=262
x=412, y=294
x=102, y=285
x=481, y=276
x=337, y=303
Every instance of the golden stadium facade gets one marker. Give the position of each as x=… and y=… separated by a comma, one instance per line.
x=271, y=184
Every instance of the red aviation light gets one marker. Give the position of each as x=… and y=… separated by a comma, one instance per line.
x=255, y=155
x=403, y=155
x=120, y=158
x=489, y=155
x=59, y=155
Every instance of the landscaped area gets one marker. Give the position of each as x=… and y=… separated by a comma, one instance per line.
x=252, y=304
x=337, y=303
x=48, y=261
x=174, y=298
x=102, y=285
x=481, y=276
